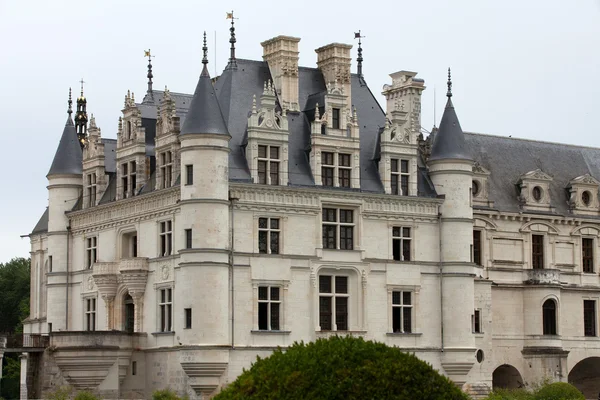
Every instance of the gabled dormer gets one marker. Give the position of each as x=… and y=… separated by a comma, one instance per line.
x=95, y=179
x=399, y=151
x=534, y=191
x=133, y=167
x=583, y=195
x=267, y=148
x=480, y=186
x=167, y=142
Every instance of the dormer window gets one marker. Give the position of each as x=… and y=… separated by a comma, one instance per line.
x=91, y=189
x=166, y=169
x=268, y=165
x=583, y=195
x=586, y=198
x=399, y=176
x=479, y=186
x=537, y=193
x=335, y=113
x=534, y=189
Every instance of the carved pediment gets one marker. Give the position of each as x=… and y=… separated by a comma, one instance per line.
x=586, y=179
x=537, y=175
x=479, y=169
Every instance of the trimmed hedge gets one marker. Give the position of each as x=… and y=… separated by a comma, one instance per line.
x=341, y=368
x=559, y=391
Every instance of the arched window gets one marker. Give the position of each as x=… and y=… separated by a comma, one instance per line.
x=549, y=317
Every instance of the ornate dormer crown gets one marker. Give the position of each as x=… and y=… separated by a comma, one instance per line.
x=535, y=190
x=583, y=195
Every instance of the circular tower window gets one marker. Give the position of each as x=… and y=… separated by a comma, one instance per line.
x=537, y=193
x=479, y=356
x=586, y=197
x=475, y=188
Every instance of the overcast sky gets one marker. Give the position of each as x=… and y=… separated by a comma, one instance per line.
x=530, y=69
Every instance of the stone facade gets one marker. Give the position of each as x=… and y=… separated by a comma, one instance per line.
x=193, y=278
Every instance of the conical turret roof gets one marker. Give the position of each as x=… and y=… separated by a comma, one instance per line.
x=68, y=157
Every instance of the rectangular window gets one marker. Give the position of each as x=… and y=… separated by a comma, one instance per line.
x=188, y=318
x=335, y=112
x=90, y=314
x=134, y=246
x=402, y=307
x=269, y=307
x=133, y=178
x=49, y=263
x=268, y=235
x=91, y=251
x=477, y=247
x=268, y=165
x=344, y=170
x=166, y=238
x=166, y=169
x=188, y=238
x=338, y=224
x=537, y=251
x=587, y=248
x=404, y=177
x=401, y=241
x=124, y=180
x=189, y=174
x=333, y=302
x=399, y=176
x=477, y=321
x=327, y=168
x=91, y=189
x=395, y=176
x=165, y=306
x=134, y=368
x=128, y=179
x=589, y=317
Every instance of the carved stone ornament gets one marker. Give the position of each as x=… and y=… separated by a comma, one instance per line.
x=90, y=282
x=165, y=272
x=538, y=174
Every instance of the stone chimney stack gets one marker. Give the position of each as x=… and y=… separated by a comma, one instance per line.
x=334, y=62
x=281, y=53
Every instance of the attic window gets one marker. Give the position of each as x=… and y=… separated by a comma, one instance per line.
x=586, y=197
x=537, y=193
x=475, y=188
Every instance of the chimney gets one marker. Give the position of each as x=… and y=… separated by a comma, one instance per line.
x=334, y=62
x=281, y=53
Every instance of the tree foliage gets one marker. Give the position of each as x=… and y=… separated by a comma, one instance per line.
x=14, y=286
x=546, y=391
x=341, y=368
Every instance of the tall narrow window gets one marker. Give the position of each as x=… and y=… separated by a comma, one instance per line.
x=49, y=263
x=537, y=251
x=399, y=176
x=404, y=175
x=269, y=304
x=166, y=168
x=589, y=317
x=344, y=170
x=477, y=247
x=91, y=189
x=133, y=178
x=268, y=165
x=268, y=235
x=477, y=321
x=166, y=238
x=134, y=246
x=402, y=307
x=188, y=318
x=587, y=248
x=91, y=251
x=549, y=317
x=90, y=314
x=335, y=113
x=395, y=176
x=327, y=168
x=188, y=238
x=333, y=303
x=124, y=180
x=166, y=310
x=338, y=229
x=401, y=241
x=189, y=174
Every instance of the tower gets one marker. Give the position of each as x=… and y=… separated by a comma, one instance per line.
x=204, y=260
x=81, y=118
x=450, y=169
x=64, y=189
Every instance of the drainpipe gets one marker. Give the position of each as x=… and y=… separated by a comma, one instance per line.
x=441, y=282
x=67, y=290
x=231, y=272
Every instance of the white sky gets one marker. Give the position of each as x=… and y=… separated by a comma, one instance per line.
x=529, y=69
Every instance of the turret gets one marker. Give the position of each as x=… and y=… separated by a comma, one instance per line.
x=205, y=217
x=450, y=169
x=81, y=118
x=64, y=189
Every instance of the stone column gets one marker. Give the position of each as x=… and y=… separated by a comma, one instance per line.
x=24, y=359
x=109, y=302
x=138, y=310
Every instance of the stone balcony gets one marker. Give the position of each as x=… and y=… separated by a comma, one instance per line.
x=543, y=277
x=133, y=264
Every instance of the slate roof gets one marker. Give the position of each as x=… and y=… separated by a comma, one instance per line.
x=42, y=224
x=449, y=142
x=68, y=157
x=509, y=158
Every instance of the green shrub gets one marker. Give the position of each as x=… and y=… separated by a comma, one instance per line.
x=511, y=394
x=60, y=393
x=559, y=391
x=165, y=394
x=341, y=368
x=85, y=395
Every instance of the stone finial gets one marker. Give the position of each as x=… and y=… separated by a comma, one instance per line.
x=254, y=104
x=317, y=112
x=93, y=122
x=120, y=128
x=449, y=93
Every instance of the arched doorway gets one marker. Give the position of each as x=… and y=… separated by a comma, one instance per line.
x=585, y=376
x=128, y=313
x=506, y=377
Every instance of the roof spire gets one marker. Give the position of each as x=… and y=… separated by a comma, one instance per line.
x=204, y=57
x=149, y=76
x=232, y=62
x=70, y=110
x=82, y=82
x=449, y=93
x=359, y=60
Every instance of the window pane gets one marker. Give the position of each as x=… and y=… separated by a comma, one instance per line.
x=275, y=293
x=263, y=223
x=346, y=216
x=587, y=246
x=394, y=179
x=344, y=160
x=549, y=317
x=324, y=284
x=262, y=172
x=404, y=166
x=262, y=151
x=589, y=317
x=262, y=242
x=394, y=165
x=275, y=316
x=537, y=251
x=477, y=247
x=396, y=232
x=346, y=237
x=396, y=297
x=274, y=242
x=326, y=158
x=341, y=284
x=263, y=293
x=274, y=173
x=327, y=176
x=329, y=215
x=329, y=237
x=344, y=177
x=274, y=153
x=406, y=250
x=274, y=223
x=325, y=313
x=396, y=314
x=406, y=298
x=404, y=184
x=341, y=313
x=407, y=319
x=263, y=320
